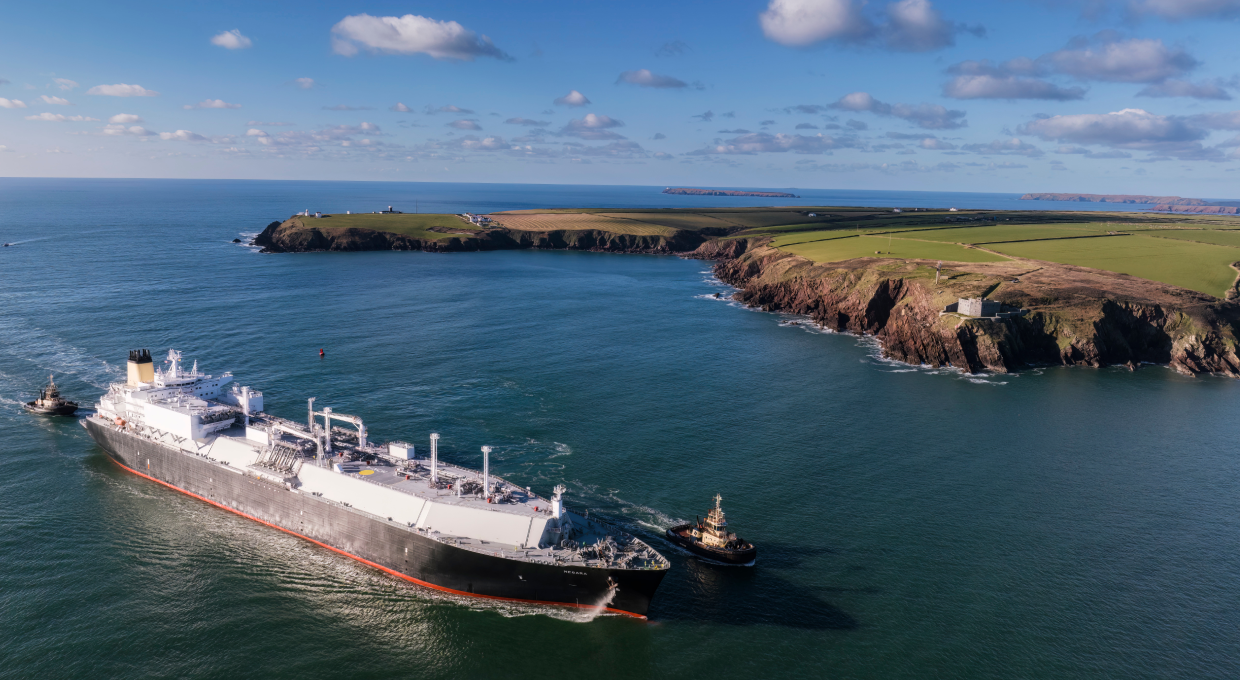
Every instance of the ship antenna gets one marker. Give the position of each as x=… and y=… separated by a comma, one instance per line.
x=718, y=500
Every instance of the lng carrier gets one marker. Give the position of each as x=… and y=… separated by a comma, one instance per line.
x=439, y=525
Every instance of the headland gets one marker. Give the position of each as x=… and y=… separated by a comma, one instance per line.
x=1096, y=288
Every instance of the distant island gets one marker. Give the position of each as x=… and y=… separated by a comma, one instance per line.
x=681, y=191
x=1116, y=198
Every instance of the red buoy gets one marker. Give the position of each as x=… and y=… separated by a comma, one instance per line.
x=321, y=352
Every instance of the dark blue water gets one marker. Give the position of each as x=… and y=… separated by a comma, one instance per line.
x=912, y=523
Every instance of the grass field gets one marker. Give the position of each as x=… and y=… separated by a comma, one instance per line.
x=580, y=221
x=415, y=226
x=849, y=247
x=1000, y=233
x=1219, y=237
x=1197, y=266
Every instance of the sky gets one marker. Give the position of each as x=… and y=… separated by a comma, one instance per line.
x=1102, y=96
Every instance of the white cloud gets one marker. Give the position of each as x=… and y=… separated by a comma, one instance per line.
x=573, y=98
x=401, y=108
x=60, y=118
x=915, y=26
x=1129, y=126
x=592, y=126
x=411, y=34
x=928, y=116
x=528, y=122
x=182, y=136
x=762, y=142
x=304, y=83
x=1008, y=87
x=54, y=100
x=799, y=23
x=12, y=103
x=135, y=130
x=212, y=104
x=125, y=119
x=1187, y=9
x=64, y=83
x=260, y=122
x=256, y=133
x=644, y=78
x=936, y=144
x=1229, y=120
x=1004, y=147
x=1183, y=88
x=232, y=40
x=465, y=125
x=430, y=110
x=1136, y=60
x=122, y=90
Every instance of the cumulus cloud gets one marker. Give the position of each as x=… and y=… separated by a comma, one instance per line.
x=799, y=23
x=573, y=98
x=1187, y=9
x=1086, y=153
x=411, y=34
x=304, y=83
x=1006, y=86
x=122, y=90
x=399, y=107
x=430, y=110
x=132, y=131
x=64, y=84
x=182, y=136
x=1229, y=120
x=60, y=118
x=593, y=126
x=806, y=126
x=1129, y=126
x=252, y=132
x=1108, y=58
x=857, y=125
x=704, y=117
x=232, y=40
x=762, y=142
x=54, y=100
x=1004, y=147
x=465, y=125
x=1183, y=88
x=928, y=116
x=528, y=122
x=212, y=104
x=906, y=25
x=935, y=144
x=12, y=103
x=645, y=78
x=659, y=135
x=125, y=119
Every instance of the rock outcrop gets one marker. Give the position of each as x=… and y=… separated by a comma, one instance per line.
x=1075, y=316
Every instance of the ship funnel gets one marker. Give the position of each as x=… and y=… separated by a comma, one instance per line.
x=434, y=457
x=141, y=369
x=557, y=501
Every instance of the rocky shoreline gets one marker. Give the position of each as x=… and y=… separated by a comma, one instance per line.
x=1076, y=316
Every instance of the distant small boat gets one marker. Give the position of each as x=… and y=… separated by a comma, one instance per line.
x=711, y=540
x=50, y=403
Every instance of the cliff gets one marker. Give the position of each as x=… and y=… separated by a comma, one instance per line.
x=1076, y=316
x=1115, y=198
x=724, y=192
x=293, y=236
x=1197, y=209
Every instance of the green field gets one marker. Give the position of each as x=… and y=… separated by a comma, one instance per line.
x=415, y=226
x=849, y=247
x=1219, y=237
x=1001, y=233
x=1197, y=266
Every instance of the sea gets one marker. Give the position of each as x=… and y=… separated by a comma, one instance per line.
x=911, y=522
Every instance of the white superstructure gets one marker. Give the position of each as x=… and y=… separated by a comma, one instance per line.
x=208, y=416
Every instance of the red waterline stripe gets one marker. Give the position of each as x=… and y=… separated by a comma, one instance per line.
x=363, y=560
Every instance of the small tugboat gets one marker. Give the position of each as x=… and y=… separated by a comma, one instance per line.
x=711, y=540
x=50, y=403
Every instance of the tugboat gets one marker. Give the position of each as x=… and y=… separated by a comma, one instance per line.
x=50, y=403
x=711, y=540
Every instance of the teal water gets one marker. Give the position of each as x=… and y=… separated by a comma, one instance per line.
x=1059, y=523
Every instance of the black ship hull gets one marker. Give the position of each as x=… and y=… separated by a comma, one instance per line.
x=738, y=558
x=66, y=409
x=389, y=546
